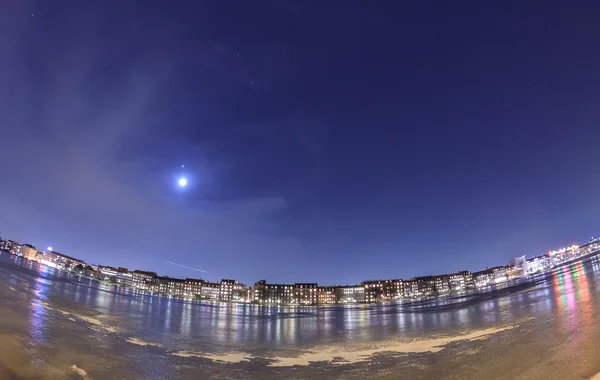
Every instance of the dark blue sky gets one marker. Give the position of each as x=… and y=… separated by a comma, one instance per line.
x=323, y=141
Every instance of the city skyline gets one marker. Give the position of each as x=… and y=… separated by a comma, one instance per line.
x=593, y=242
x=298, y=141
x=512, y=276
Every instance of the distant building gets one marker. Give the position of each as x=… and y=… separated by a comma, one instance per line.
x=393, y=289
x=426, y=286
x=326, y=295
x=249, y=295
x=210, y=291
x=144, y=280
x=500, y=274
x=108, y=274
x=274, y=293
x=410, y=288
x=231, y=290
x=192, y=287
x=259, y=291
x=59, y=260
x=537, y=264
x=519, y=262
x=513, y=272
x=168, y=285
x=124, y=277
x=590, y=247
x=461, y=281
x=442, y=284
x=10, y=246
x=29, y=252
x=305, y=293
x=374, y=290
x=484, y=278
x=350, y=294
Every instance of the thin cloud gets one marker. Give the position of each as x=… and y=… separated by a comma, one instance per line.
x=185, y=266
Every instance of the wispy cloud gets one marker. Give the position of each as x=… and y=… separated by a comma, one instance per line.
x=185, y=266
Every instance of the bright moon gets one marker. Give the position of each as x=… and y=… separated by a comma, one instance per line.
x=182, y=182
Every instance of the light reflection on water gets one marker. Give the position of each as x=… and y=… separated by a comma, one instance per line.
x=568, y=294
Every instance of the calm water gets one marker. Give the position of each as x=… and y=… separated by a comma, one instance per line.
x=56, y=325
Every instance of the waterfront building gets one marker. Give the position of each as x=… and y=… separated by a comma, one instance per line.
x=210, y=291
x=192, y=287
x=500, y=274
x=410, y=288
x=58, y=260
x=144, y=280
x=484, y=278
x=537, y=264
x=249, y=295
x=259, y=291
x=305, y=293
x=350, y=294
x=174, y=286
x=160, y=285
x=513, y=272
x=326, y=295
x=590, y=247
x=374, y=290
x=442, y=284
x=274, y=293
x=10, y=246
x=108, y=274
x=519, y=262
x=168, y=285
x=231, y=290
x=124, y=277
x=426, y=286
x=28, y=251
x=459, y=282
x=393, y=289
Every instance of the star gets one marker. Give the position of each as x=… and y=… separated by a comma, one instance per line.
x=182, y=182
x=183, y=166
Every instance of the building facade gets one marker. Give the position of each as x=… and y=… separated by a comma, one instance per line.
x=58, y=260
x=374, y=290
x=29, y=252
x=350, y=294
x=210, y=291
x=305, y=293
x=484, y=278
x=231, y=290
x=326, y=295
x=274, y=293
x=461, y=281
x=144, y=280
x=192, y=287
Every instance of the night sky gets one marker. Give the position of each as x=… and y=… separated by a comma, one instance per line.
x=321, y=141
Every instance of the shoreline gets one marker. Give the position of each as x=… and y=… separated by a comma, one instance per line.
x=491, y=289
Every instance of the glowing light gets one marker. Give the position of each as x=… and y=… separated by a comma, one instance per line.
x=49, y=249
x=182, y=182
x=563, y=250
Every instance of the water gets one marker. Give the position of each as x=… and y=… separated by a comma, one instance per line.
x=57, y=325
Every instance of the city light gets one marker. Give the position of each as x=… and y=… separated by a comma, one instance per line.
x=50, y=249
x=563, y=250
